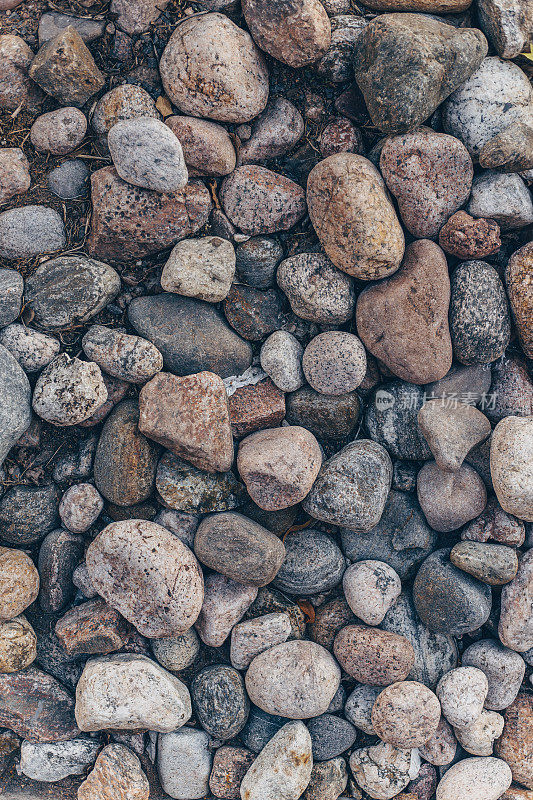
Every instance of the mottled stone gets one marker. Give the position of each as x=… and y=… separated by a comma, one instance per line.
x=406, y=714
x=27, y=513
x=511, y=150
x=126, y=101
x=429, y=6
x=225, y=603
x=59, y=132
x=254, y=636
x=29, y=231
x=440, y=749
x=11, y=288
x=511, y=389
x=370, y=588
x=391, y=420
x=32, y=349
x=136, y=16
x=330, y=736
x=68, y=391
x=17, y=645
x=16, y=88
x=220, y=701
x=450, y=499
x=51, y=762
x=373, y=656
x=452, y=430
x=329, y=619
x=461, y=693
x=297, y=34
x=504, y=198
x=313, y=563
x=91, y=628
x=478, y=737
x=336, y=64
x=230, y=764
x=184, y=763
x=260, y=728
x=254, y=407
x=317, y=290
x=334, y=362
x=253, y=313
x=328, y=417
x=494, y=564
x=186, y=488
x=15, y=410
x=283, y=768
x=19, y=582
x=274, y=132
x=207, y=147
x=518, y=284
x=176, y=653
x=382, y=770
x=60, y=553
x=129, y=358
x=36, y=706
x=15, y=171
x=466, y=237
x=359, y=706
x=511, y=467
x=118, y=774
x=503, y=667
x=257, y=200
x=515, y=627
x=482, y=778
x=202, y=268
x=80, y=506
x=515, y=744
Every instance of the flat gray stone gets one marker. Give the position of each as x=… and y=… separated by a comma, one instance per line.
x=15, y=409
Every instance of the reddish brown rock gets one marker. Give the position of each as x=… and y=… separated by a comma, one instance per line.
x=230, y=764
x=373, y=656
x=16, y=87
x=190, y=417
x=515, y=745
x=36, y=706
x=340, y=136
x=469, y=238
x=207, y=147
x=256, y=406
x=117, y=775
x=279, y=466
x=257, y=200
x=129, y=222
x=519, y=283
x=403, y=320
x=91, y=628
x=495, y=525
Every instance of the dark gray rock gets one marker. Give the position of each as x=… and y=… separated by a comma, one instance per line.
x=352, y=487
x=51, y=656
x=253, y=313
x=257, y=260
x=407, y=64
x=186, y=488
x=69, y=289
x=70, y=180
x=15, y=408
x=191, y=335
x=328, y=417
x=220, y=701
x=125, y=461
x=27, y=513
x=313, y=564
x=404, y=476
x=330, y=736
x=260, y=728
x=77, y=465
x=448, y=600
x=60, y=554
x=435, y=653
x=52, y=22
x=11, y=289
x=402, y=538
x=511, y=391
x=480, y=323
x=336, y=64
x=391, y=420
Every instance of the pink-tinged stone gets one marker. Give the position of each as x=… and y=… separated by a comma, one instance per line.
x=190, y=417
x=515, y=628
x=256, y=406
x=225, y=603
x=117, y=775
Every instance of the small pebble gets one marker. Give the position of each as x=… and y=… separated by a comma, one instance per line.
x=225, y=603
x=313, y=563
x=371, y=588
x=176, y=653
x=250, y=638
x=59, y=132
x=68, y=391
x=15, y=171
x=283, y=768
x=32, y=349
x=462, y=693
x=202, y=268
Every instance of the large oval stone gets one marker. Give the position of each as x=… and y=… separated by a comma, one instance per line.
x=373, y=656
x=511, y=465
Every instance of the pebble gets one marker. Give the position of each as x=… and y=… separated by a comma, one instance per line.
x=225, y=603
x=371, y=588
x=450, y=499
x=230, y=764
x=15, y=173
x=494, y=564
x=515, y=627
x=11, y=288
x=330, y=736
x=68, y=391
x=147, y=153
x=406, y=714
x=353, y=217
x=30, y=231
x=313, y=563
x=220, y=701
x=334, y=362
x=511, y=467
x=256, y=406
x=373, y=656
x=19, y=582
x=511, y=389
x=253, y=313
x=328, y=780
x=257, y=259
x=336, y=64
x=406, y=66
x=167, y=578
x=184, y=763
x=469, y=238
x=462, y=693
x=510, y=150
x=282, y=770
x=383, y=770
x=136, y=16
x=391, y=420
x=80, y=507
x=340, y=136
x=121, y=211
x=36, y=706
x=503, y=667
x=403, y=321
x=326, y=416
x=452, y=430
x=15, y=411
x=449, y=600
x=129, y=358
x=478, y=738
x=211, y=68
x=507, y=27
x=125, y=460
x=520, y=296
x=281, y=359
x=259, y=201
x=260, y=728
x=69, y=289
x=176, y=653
x=329, y=619
x=60, y=553
x=504, y=198
x=32, y=349
x=430, y=174
x=207, y=147
x=185, y=488
x=202, y=268
x=28, y=512
x=65, y=69
x=118, y=774
x=52, y=22
x=440, y=749
x=59, y=132
x=359, y=706
x=352, y=487
x=81, y=580
x=495, y=95
x=127, y=101
x=91, y=628
x=481, y=778
x=54, y=761
x=279, y=466
x=254, y=636
x=296, y=679
x=514, y=746
x=18, y=645
x=191, y=336
x=274, y=133
x=317, y=290
x=16, y=88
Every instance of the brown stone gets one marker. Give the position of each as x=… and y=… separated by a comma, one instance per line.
x=256, y=406
x=469, y=238
x=117, y=775
x=515, y=627
x=519, y=283
x=257, y=200
x=65, y=69
x=515, y=745
x=373, y=656
x=279, y=466
x=129, y=222
x=450, y=499
x=517, y=793
x=16, y=88
x=452, y=430
x=510, y=150
x=253, y=313
x=403, y=320
x=91, y=628
x=37, y=707
x=328, y=621
x=207, y=147
x=14, y=173
x=18, y=645
x=230, y=764
x=190, y=417
x=19, y=582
